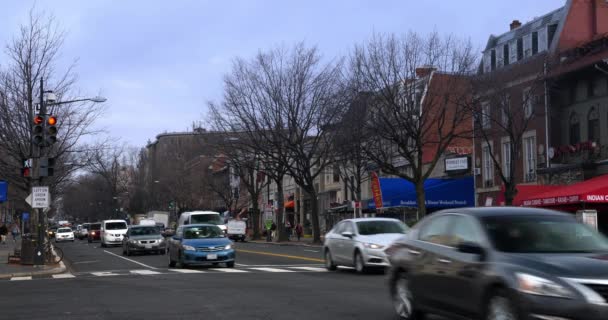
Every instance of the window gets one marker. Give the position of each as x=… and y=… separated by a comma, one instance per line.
x=530, y=159
x=436, y=230
x=348, y=227
x=506, y=159
x=551, y=30
x=520, y=49
x=528, y=103
x=534, y=42
x=488, y=167
x=527, y=45
x=463, y=230
x=575, y=129
x=336, y=174
x=485, y=116
x=593, y=125
x=506, y=109
x=505, y=54
x=493, y=60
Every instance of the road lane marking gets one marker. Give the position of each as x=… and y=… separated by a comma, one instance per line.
x=64, y=276
x=104, y=274
x=229, y=270
x=242, y=265
x=310, y=269
x=280, y=255
x=130, y=260
x=144, y=272
x=312, y=250
x=284, y=265
x=272, y=269
x=186, y=271
x=80, y=262
x=21, y=278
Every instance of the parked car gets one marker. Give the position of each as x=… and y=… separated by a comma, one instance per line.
x=360, y=243
x=500, y=263
x=112, y=232
x=143, y=239
x=94, y=232
x=64, y=234
x=51, y=232
x=200, y=244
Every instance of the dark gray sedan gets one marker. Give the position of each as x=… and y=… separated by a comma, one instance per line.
x=143, y=239
x=500, y=263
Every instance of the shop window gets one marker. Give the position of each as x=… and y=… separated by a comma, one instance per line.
x=575, y=129
x=593, y=125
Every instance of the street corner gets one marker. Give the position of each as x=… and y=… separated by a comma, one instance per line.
x=12, y=271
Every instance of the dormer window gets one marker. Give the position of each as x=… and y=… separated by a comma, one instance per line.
x=520, y=49
x=505, y=54
x=534, y=42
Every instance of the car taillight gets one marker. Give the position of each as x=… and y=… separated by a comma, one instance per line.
x=93, y=233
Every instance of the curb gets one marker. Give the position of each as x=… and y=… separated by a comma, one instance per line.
x=60, y=269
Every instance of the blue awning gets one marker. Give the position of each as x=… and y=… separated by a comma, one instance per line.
x=440, y=193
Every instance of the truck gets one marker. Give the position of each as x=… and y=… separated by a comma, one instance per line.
x=160, y=217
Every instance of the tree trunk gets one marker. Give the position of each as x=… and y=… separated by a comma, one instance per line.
x=358, y=199
x=281, y=235
x=255, y=218
x=421, y=197
x=510, y=193
x=316, y=229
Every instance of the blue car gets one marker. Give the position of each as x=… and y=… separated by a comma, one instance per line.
x=200, y=244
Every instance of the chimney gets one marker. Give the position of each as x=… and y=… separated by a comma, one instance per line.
x=515, y=24
x=424, y=71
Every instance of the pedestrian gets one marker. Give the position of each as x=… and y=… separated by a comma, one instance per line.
x=267, y=227
x=15, y=232
x=288, y=230
x=299, y=230
x=273, y=229
x=3, y=233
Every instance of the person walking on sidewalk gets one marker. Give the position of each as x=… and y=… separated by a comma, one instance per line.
x=15, y=232
x=288, y=230
x=299, y=230
x=273, y=230
x=3, y=233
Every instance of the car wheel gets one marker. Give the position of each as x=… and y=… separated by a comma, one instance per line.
x=329, y=261
x=230, y=264
x=403, y=299
x=501, y=307
x=359, y=263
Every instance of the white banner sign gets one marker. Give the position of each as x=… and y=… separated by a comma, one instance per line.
x=41, y=197
x=454, y=164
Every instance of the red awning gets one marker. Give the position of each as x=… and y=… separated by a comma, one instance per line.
x=591, y=191
x=525, y=191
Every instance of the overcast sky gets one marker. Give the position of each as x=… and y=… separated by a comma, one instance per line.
x=158, y=62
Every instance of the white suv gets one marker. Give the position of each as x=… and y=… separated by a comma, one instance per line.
x=112, y=232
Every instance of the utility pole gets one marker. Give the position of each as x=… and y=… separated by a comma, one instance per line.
x=39, y=256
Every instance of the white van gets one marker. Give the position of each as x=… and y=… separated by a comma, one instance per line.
x=196, y=217
x=112, y=232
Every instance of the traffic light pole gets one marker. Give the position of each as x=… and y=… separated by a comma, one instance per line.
x=39, y=254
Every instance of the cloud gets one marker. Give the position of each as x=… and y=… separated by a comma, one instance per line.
x=128, y=84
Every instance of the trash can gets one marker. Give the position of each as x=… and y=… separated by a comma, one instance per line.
x=28, y=251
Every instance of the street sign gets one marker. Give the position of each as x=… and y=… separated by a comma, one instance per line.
x=3, y=190
x=29, y=199
x=25, y=216
x=41, y=197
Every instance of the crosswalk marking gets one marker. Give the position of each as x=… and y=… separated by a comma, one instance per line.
x=186, y=271
x=21, y=278
x=144, y=272
x=272, y=269
x=64, y=276
x=104, y=274
x=229, y=270
x=310, y=269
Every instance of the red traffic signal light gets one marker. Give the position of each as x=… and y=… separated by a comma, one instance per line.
x=51, y=121
x=38, y=120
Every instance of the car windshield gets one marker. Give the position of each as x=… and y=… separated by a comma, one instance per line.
x=145, y=231
x=202, y=232
x=95, y=227
x=542, y=234
x=62, y=230
x=206, y=218
x=380, y=226
x=116, y=225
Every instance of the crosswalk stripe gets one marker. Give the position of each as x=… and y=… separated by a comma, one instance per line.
x=21, y=278
x=310, y=269
x=103, y=274
x=186, y=271
x=144, y=272
x=272, y=269
x=63, y=276
x=229, y=270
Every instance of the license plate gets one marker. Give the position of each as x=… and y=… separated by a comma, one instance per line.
x=148, y=246
x=212, y=257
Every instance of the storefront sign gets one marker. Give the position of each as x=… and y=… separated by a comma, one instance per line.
x=455, y=164
x=376, y=191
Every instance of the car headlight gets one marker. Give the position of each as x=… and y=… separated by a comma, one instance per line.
x=133, y=241
x=188, y=248
x=228, y=247
x=373, y=246
x=530, y=284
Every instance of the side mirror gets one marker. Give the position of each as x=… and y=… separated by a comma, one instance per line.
x=471, y=247
x=348, y=234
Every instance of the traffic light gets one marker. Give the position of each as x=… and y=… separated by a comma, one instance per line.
x=47, y=167
x=26, y=172
x=51, y=129
x=38, y=130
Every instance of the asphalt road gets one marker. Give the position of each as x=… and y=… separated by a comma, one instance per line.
x=269, y=282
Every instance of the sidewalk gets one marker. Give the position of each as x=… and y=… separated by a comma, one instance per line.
x=18, y=270
x=304, y=242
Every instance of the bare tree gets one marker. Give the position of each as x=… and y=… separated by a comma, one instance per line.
x=418, y=109
x=285, y=100
x=116, y=173
x=505, y=108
